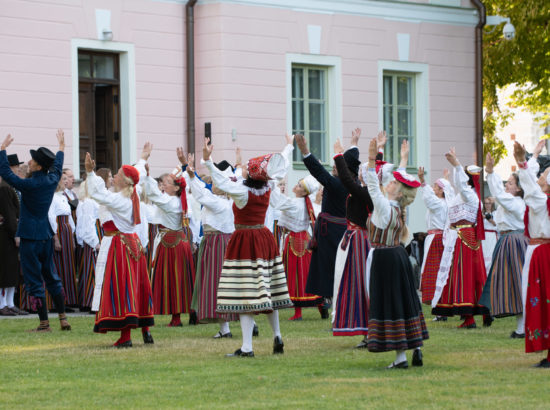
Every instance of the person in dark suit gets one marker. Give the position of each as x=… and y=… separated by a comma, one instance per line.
x=36, y=245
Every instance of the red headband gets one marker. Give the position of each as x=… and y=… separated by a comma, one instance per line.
x=183, y=195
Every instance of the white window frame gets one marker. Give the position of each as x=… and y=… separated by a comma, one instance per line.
x=333, y=65
x=127, y=97
x=417, y=211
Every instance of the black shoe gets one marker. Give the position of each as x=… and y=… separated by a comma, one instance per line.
x=221, y=335
x=362, y=344
x=193, y=320
x=440, y=319
x=544, y=363
x=417, y=358
x=401, y=365
x=240, y=353
x=255, y=330
x=68, y=310
x=487, y=320
x=147, y=338
x=324, y=313
x=516, y=335
x=278, y=345
x=127, y=343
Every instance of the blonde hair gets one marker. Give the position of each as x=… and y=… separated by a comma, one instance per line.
x=83, y=190
x=407, y=197
x=129, y=189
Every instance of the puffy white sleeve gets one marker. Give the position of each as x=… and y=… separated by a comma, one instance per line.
x=85, y=224
x=509, y=202
x=52, y=215
x=205, y=197
x=431, y=200
x=280, y=201
x=237, y=191
x=533, y=167
x=142, y=230
x=98, y=192
x=533, y=195
x=461, y=185
x=162, y=200
x=381, y=214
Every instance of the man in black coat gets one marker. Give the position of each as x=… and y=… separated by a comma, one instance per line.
x=36, y=245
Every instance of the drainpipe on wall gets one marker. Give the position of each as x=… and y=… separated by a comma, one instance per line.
x=190, y=71
x=479, y=84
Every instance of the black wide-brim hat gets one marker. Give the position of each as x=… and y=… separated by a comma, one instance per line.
x=13, y=160
x=351, y=156
x=44, y=157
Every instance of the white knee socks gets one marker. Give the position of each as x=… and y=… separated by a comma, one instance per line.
x=521, y=324
x=247, y=324
x=10, y=293
x=224, y=328
x=274, y=322
x=400, y=356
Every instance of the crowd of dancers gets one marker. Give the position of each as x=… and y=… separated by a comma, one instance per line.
x=229, y=244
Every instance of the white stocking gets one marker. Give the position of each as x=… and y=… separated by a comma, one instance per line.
x=274, y=322
x=247, y=324
x=3, y=292
x=521, y=324
x=10, y=293
x=224, y=328
x=400, y=356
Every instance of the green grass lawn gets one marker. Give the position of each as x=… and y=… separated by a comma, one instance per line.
x=185, y=367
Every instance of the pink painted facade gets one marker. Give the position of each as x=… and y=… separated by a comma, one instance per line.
x=244, y=51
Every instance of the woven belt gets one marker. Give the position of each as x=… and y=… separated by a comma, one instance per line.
x=111, y=233
x=239, y=226
x=210, y=232
x=492, y=230
x=354, y=227
x=458, y=227
x=166, y=230
x=539, y=241
x=511, y=231
x=435, y=232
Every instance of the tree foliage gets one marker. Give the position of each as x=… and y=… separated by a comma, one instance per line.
x=523, y=61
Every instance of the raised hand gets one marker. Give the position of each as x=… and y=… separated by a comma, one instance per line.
x=289, y=139
x=421, y=175
x=146, y=151
x=538, y=148
x=89, y=163
x=373, y=150
x=7, y=141
x=147, y=168
x=355, y=134
x=519, y=152
x=61, y=139
x=338, y=148
x=446, y=173
x=404, y=154
x=381, y=139
x=207, y=149
x=238, y=157
x=181, y=156
x=489, y=163
x=302, y=144
x=451, y=157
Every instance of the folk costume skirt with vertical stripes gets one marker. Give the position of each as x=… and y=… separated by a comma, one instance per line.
x=253, y=277
x=209, y=268
x=327, y=234
x=126, y=297
x=86, y=275
x=153, y=231
x=467, y=276
x=537, y=296
x=351, y=301
x=396, y=321
x=296, y=260
x=430, y=266
x=173, y=273
x=502, y=290
x=64, y=260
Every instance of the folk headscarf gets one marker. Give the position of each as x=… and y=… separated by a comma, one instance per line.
x=132, y=173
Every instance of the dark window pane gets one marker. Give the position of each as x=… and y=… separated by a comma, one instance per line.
x=84, y=66
x=404, y=89
x=404, y=121
x=297, y=114
x=388, y=90
x=297, y=83
x=316, y=84
x=388, y=120
x=317, y=144
x=317, y=116
x=104, y=67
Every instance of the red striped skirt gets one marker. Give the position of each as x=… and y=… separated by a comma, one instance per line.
x=173, y=274
x=296, y=260
x=431, y=267
x=64, y=260
x=209, y=268
x=86, y=277
x=126, y=299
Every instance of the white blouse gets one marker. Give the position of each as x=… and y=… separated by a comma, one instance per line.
x=511, y=210
x=294, y=215
x=87, y=212
x=465, y=204
x=436, y=216
x=59, y=207
x=119, y=206
x=381, y=215
x=169, y=211
x=217, y=210
x=535, y=199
